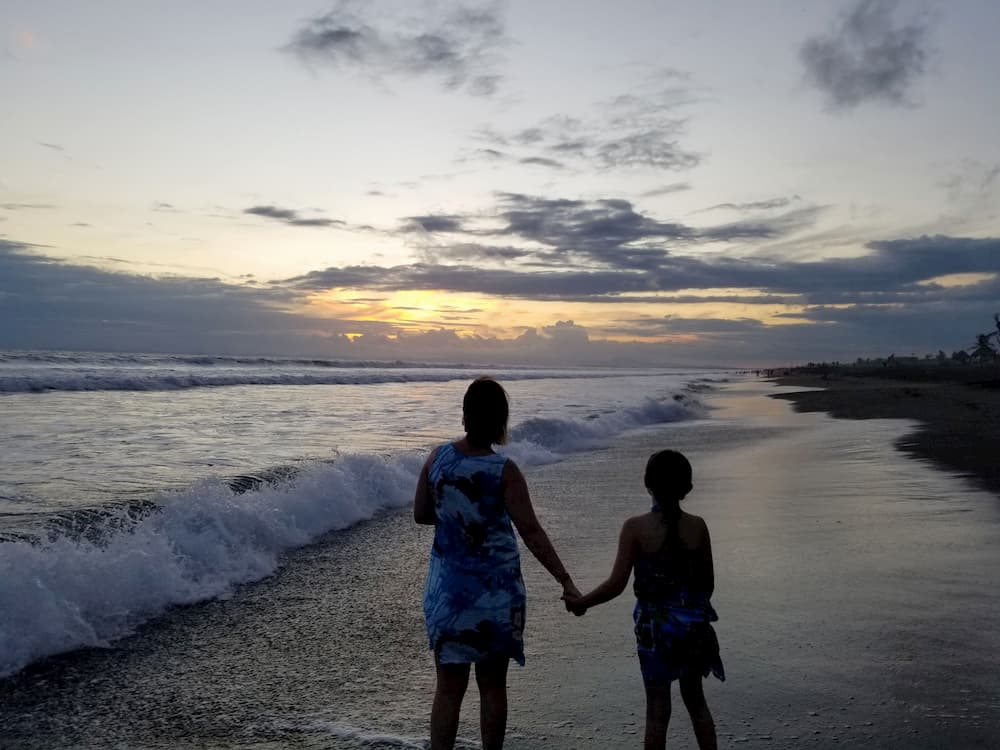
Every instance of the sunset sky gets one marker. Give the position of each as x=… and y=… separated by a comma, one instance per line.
x=722, y=182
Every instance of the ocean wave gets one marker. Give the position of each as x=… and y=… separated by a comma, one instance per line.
x=537, y=439
x=42, y=380
x=203, y=360
x=89, y=587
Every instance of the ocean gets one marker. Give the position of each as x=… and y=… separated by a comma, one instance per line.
x=218, y=552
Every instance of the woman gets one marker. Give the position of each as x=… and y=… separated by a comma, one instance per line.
x=474, y=599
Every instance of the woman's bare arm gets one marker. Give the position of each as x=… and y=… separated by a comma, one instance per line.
x=423, y=503
x=620, y=573
x=518, y=502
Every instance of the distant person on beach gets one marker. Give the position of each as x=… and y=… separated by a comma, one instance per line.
x=474, y=598
x=674, y=579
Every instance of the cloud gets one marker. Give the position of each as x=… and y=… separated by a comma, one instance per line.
x=893, y=272
x=975, y=182
x=631, y=131
x=459, y=47
x=651, y=148
x=475, y=253
x=47, y=302
x=52, y=146
x=752, y=205
x=433, y=223
x=541, y=161
x=675, y=187
x=50, y=303
x=291, y=217
x=566, y=330
x=25, y=206
x=867, y=57
x=612, y=232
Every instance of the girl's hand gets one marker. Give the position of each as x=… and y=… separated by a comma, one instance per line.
x=571, y=597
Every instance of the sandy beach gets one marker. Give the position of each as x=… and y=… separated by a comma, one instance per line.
x=958, y=411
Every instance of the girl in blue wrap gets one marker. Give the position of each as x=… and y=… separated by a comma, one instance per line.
x=474, y=600
x=671, y=553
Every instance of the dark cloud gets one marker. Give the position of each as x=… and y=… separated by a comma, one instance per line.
x=867, y=57
x=612, y=232
x=291, y=217
x=895, y=271
x=460, y=47
x=47, y=302
x=433, y=223
x=472, y=253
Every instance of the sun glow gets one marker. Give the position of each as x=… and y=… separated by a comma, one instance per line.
x=420, y=311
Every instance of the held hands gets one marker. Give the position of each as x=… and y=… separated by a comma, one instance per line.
x=570, y=596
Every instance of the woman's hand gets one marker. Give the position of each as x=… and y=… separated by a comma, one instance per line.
x=571, y=596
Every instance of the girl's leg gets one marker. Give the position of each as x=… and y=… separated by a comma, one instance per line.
x=452, y=680
x=491, y=676
x=657, y=717
x=701, y=717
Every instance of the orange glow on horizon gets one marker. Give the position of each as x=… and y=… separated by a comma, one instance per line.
x=420, y=311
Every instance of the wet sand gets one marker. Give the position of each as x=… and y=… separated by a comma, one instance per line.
x=959, y=416
x=854, y=586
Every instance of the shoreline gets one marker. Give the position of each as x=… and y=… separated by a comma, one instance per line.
x=958, y=420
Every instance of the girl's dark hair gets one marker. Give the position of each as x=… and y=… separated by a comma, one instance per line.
x=485, y=411
x=668, y=479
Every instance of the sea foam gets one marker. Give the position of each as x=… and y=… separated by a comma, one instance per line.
x=69, y=592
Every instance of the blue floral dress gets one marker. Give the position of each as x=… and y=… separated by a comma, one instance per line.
x=474, y=598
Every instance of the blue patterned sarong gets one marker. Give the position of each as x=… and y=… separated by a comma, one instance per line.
x=474, y=597
x=673, y=615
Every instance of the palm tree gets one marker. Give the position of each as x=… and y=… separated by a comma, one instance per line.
x=983, y=350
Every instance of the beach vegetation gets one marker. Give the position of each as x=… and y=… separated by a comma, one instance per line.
x=982, y=350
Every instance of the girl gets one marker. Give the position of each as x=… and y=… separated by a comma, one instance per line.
x=672, y=556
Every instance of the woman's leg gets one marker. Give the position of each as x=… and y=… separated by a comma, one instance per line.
x=701, y=717
x=657, y=717
x=452, y=680
x=491, y=676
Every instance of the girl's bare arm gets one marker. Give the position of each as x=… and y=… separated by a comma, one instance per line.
x=705, y=565
x=620, y=572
